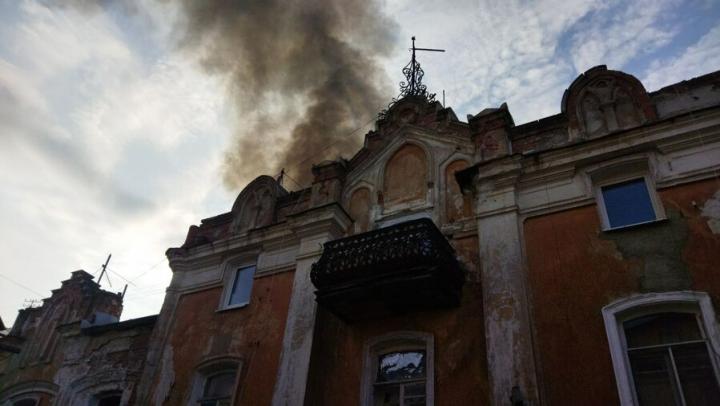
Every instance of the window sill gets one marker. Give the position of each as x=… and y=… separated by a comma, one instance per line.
x=233, y=307
x=636, y=225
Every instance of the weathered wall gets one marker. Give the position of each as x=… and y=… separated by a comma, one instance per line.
x=103, y=358
x=460, y=368
x=406, y=176
x=457, y=205
x=253, y=333
x=359, y=209
x=48, y=335
x=575, y=269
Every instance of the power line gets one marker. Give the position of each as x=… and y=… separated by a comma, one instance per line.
x=121, y=277
x=145, y=272
x=22, y=286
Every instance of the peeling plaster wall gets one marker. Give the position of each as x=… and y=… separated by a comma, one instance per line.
x=711, y=211
x=253, y=333
x=575, y=269
x=460, y=368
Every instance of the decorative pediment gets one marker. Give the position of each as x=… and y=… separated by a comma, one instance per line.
x=602, y=101
x=255, y=206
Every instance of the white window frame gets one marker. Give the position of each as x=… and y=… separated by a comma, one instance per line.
x=623, y=170
x=624, y=309
x=234, y=271
x=398, y=341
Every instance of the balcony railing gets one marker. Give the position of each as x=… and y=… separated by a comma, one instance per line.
x=398, y=268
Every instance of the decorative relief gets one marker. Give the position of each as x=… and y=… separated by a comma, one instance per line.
x=255, y=206
x=607, y=107
x=602, y=101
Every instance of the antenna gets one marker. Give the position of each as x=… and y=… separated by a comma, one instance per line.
x=281, y=176
x=443, y=98
x=414, y=74
x=104, y=268
x=30, y=303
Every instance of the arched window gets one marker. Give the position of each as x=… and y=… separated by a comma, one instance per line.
x=25, y=402
x=111, y=398
x=663, y=347
x=218, y=389
x=399, y=370
x=670, y=360
x=215, y=382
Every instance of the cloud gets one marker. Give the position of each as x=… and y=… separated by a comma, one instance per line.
x=697, y=60
x=528, y=53
x=496, y=51
x=111, y=139
x=103, y=149
x=621, y=32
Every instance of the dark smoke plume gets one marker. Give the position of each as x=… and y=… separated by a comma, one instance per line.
x=302, y=75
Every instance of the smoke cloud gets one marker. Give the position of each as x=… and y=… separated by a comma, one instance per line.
x=302, y=75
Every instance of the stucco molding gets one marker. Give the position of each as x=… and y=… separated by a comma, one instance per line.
x=28, y=388
x=550, y=182
x=636, y=305
x=355, y=186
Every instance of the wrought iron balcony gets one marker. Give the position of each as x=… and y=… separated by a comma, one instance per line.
x=405, y=267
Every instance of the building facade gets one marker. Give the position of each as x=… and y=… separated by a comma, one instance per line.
x=568, y=261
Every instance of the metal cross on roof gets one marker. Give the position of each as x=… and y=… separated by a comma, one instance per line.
x=413, y=85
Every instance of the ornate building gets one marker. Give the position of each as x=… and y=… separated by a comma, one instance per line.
x=568, y=261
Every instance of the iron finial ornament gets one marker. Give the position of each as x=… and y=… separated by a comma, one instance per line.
x=412, y=85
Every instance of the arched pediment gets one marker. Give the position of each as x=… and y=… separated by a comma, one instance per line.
x=255, y=206
x=601, y=101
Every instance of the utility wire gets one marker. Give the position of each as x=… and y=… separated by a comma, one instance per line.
x=145, y=272
x=121, y=277
x=22, y=286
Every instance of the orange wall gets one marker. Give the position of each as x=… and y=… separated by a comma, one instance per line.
x=460, y=366
x=254, y=333
x=575, y=269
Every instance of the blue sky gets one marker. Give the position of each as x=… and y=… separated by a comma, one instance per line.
x=112, y=138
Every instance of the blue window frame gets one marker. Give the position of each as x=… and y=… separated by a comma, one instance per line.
x=628, y=203
x=241, y=287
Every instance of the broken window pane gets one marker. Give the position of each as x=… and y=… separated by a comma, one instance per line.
x=404, y=365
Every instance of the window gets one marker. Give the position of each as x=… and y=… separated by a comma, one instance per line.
x=242, y=281
x=400, y=379
x=25, y=402
x=218, y=389
x=670, y=361
x=215, y=381
x=664, y=348
x=627, y=203
x=398, y=370
x=108, y=399
x=625, y=191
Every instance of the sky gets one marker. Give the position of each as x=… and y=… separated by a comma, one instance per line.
x=112, y=136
